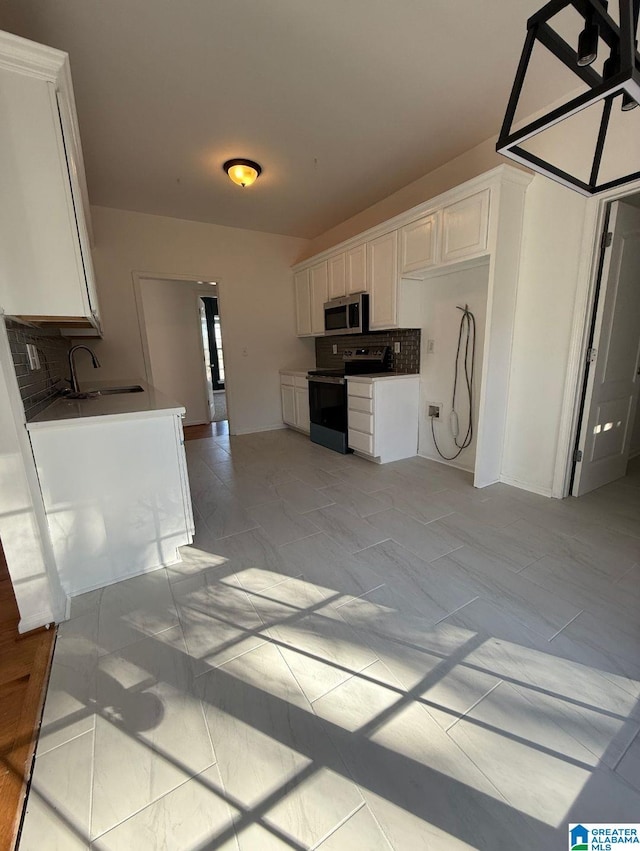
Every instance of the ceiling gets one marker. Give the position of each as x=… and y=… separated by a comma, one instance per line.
x=341, y=102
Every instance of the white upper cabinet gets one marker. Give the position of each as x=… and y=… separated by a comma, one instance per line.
x=356, y=263
x=419, y=244
x=337, y=276
x=382, y=263
x=46, y=273
x=465, y=226
x=303, y=303
x=319, y=286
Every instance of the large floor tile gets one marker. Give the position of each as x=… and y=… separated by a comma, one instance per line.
x=347, y=529
x=150, y=736
x=131, y=610
x=70, y=701
x=533, y=605
x=59, y=804
x=223, y=513
x=254, y=559
x=352, y=499
x=361, y=832
x=497, y=543
x=629, y=766
x=302, y=497
x=195, y=815
x=319, y=647
x=422, y=790
x=427, y=541
x=430, y=666
x=218, y=620
x=272, y=751
x=536, y=765
x=281, y=524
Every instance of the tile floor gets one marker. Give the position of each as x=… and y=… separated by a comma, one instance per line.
x=352, y=657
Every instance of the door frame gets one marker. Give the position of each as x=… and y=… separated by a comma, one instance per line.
x=137, y=277
x=211, y=335
x=585, y=306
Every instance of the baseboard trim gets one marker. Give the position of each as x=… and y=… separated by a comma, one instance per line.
x=526, y=486
x=446, y=463
x=256, y=430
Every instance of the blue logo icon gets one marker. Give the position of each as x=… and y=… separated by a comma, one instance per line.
x=579, y=838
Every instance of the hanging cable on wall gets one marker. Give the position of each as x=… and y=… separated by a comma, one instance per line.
x=468, y=331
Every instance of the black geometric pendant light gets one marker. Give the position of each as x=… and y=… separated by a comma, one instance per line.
x=609, y=94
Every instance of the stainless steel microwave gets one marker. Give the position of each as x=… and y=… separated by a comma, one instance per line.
x=347, y=315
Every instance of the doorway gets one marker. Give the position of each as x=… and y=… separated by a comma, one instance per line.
x=181, y=333
x=213, y=357
x=607, y=447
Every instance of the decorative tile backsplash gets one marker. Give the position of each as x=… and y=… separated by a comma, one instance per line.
x=407, y=361
x=37, y=387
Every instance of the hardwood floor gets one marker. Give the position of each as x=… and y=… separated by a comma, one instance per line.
x=24, y=668
x=199, y=432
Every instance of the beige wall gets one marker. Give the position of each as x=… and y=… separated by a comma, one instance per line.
x=470, y=164
x=256, y=301
x=173, y=333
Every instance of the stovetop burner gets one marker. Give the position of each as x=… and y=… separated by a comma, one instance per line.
x=358, y=362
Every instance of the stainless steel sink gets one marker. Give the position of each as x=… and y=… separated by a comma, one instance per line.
x=109, y=391
x=106, y=391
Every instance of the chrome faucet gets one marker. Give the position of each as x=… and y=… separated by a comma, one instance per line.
x=72, y=365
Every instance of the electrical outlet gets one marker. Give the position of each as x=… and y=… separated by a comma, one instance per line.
x=334, y=348
x=434, y=410
x=33, y=356
x=431, y=346
x=396, y=348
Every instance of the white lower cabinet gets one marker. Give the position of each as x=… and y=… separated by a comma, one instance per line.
x=383, y=416
x=116, y=495
x=294, y=391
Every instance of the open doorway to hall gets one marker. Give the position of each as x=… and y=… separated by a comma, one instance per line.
x=213, y=358
x=181, y=334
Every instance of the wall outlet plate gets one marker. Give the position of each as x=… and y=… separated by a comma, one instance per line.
x=396, y=348
x=434, y=409
x=431, y=346
x=334, y=348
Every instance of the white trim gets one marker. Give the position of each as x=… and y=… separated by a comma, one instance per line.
x=257, y=429
x=445, y=463
x=20, y=54
x=38, y=621
x=585, y=289
x=525, y=486
x=487, y=180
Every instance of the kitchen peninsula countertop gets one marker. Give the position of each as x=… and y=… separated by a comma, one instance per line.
x=148, y=403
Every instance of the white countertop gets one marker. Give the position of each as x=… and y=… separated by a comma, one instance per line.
x=370, y=378
x=149, y=403
x=300, y=372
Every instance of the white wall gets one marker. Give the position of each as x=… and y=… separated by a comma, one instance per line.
x=548, y=287
x=440, y=322
x=174, y=343
x=256, y=301
x=23, y=525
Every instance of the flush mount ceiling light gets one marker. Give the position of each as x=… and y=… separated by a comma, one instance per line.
x=242, y=172
x=597, y=113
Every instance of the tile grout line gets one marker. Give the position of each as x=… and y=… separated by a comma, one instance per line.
x=556, y=634
x=624, y=753
x=450, y=614
x=473, y=706
x=345, y=681
x=342, y=822
x=360, y=596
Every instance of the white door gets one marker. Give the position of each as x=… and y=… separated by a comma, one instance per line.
x=356, y=268
x=302, y=408
x=337, y=276
x=288, y=394
x=612, y=389
x=303, y=303
x=383, y=280
x=319, y=296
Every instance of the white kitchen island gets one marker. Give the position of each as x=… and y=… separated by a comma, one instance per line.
x=113, y=476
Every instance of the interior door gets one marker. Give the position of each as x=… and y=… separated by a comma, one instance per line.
x=611, y=397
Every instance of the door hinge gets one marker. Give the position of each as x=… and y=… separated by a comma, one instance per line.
x=577, y=455
x=591, y=355
x=607, y=239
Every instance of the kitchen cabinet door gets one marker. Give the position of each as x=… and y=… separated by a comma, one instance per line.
x=382, y=261
x=319, y=286
x=465, y=226
x=302, y=409
x=356, y=268
x=288, y=394
x=418, y=245
x=337, y=276
x=47, y=270
x=303, y=303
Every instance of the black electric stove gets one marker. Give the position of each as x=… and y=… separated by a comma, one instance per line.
x=328, y=394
